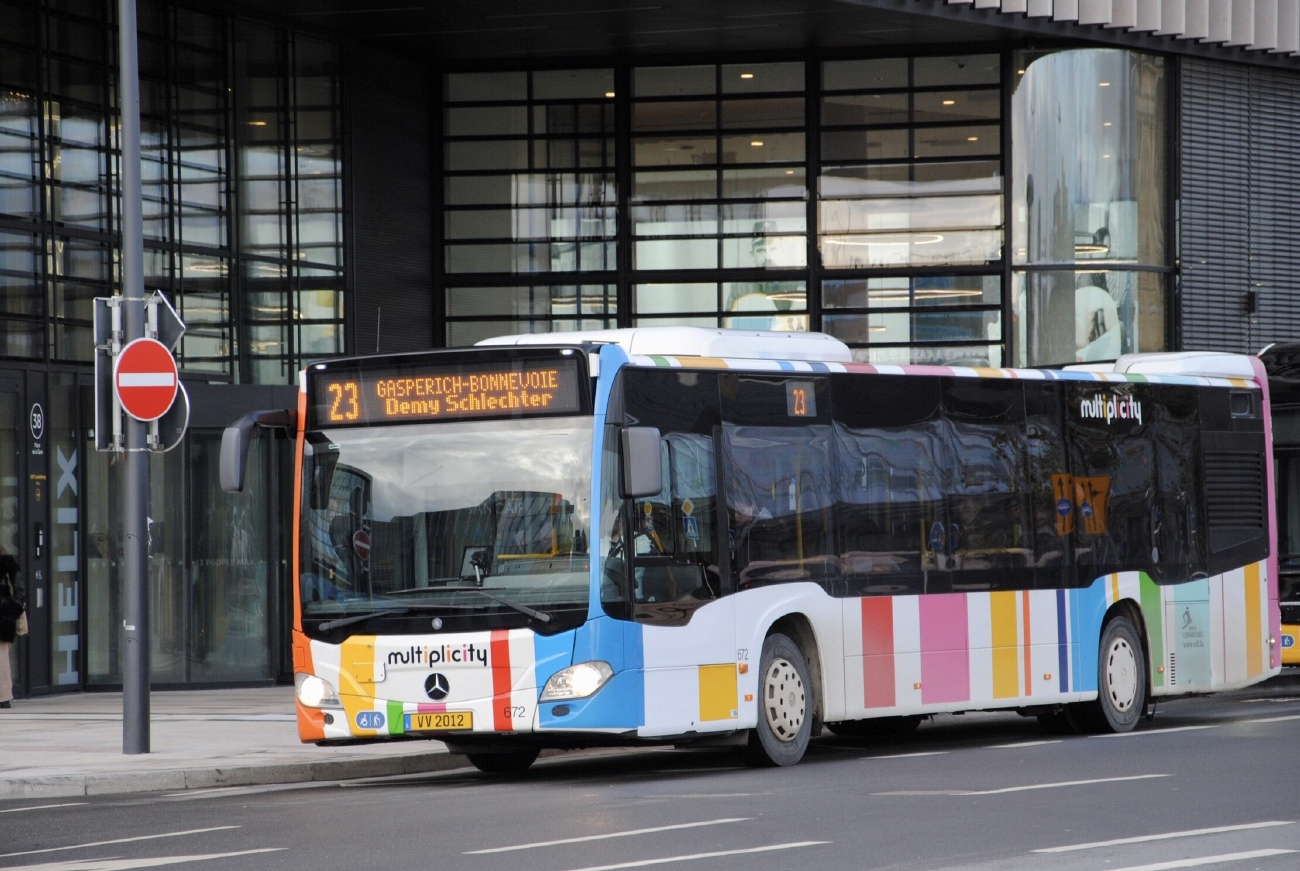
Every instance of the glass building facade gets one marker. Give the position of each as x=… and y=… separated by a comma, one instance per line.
x=923, y=209
x=242, y=172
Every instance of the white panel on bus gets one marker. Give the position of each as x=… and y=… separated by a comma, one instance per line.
x=697, y=342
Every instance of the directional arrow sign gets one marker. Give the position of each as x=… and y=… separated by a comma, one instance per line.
x=170, y=325
x=145, y=379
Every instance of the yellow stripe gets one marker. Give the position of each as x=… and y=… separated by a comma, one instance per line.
x=718, y=692
x=1114, y=589
x=357, y=678
x=701, y=362
x=1006, y=644
x=1254, y=620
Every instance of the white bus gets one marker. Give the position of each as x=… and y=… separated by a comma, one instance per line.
x=681, y=535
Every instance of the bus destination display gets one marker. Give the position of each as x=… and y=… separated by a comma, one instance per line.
x=415, y=394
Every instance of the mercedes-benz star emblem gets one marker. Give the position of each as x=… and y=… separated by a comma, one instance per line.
x=437, y=687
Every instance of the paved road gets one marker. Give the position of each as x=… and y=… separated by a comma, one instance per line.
x=1210, y=783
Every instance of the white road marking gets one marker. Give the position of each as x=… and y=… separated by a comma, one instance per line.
x=119, y=841
x=1061, y=784
x=115, y=864
x=1156, y=731
x=1166, y=836
x=609, y=835
x=41, y=807
x=1274, y=719
x=1025, y=744
x=644, y=862
x=1206, y=860
x=909, y=755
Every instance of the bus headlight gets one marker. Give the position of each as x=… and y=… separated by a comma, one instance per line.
x=314, y=692
x=577, y=681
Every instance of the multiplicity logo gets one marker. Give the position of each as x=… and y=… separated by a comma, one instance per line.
x=1110, y=408
x=465, y=654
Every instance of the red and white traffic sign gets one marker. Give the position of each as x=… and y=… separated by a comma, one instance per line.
x=145, y=378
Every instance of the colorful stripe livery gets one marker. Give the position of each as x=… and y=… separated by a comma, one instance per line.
x=879, y=656
x=947, y=371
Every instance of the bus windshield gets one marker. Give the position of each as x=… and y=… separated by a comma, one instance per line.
x=455, y=518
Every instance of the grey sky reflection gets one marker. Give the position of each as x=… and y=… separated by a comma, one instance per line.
x=458, y=465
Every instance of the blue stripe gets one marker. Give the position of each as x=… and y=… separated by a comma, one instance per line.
x=785, y=365
x=1062, y=641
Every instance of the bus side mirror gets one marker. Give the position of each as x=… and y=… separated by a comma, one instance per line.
x=236, y=439
x=642, y=471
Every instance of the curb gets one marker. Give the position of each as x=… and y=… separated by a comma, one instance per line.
x=71, y=785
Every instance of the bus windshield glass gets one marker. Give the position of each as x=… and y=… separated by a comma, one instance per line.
x=453, y=519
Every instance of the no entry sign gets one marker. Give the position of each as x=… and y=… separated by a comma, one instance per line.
x=145, y=379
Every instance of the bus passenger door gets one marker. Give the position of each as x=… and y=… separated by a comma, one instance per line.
x=687, y=626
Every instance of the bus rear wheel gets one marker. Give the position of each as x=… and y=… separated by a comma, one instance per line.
x=507, y=762
x=785, y=704
x=1121, y=682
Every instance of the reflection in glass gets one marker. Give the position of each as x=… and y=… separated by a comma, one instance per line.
x=1086, y=315
x=1089, y=197
x=1088, y=137
x=497, y=505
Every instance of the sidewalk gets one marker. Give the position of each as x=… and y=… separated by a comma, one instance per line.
x=70, y=745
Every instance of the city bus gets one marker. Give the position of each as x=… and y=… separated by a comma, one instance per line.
x=1282, y=363
x=689, y=536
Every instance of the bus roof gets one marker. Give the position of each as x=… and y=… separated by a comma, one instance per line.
x=697, y=342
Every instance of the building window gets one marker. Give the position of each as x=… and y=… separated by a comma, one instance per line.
x=1090, y=262
x=475, y=313
x=719, y=183
x=910, y=183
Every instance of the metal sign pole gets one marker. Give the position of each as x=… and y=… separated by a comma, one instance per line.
x=135, y=490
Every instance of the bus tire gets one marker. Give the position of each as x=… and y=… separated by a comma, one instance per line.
x=508, y=762
x=1121, y=682
x=786, y=704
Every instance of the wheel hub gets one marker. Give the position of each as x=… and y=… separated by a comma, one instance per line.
x=1121, y=675
x=783, y=700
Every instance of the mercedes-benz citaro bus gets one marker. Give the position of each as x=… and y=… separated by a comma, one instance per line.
x=712, y=537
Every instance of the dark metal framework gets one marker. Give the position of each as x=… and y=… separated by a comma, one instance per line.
x=626, y=275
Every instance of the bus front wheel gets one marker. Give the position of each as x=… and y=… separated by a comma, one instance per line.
x=785, y=704
x=1121, y=682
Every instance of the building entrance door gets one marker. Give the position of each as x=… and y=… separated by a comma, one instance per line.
x=14, y=441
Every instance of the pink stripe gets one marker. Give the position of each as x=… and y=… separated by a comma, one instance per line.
x=945, y=657
x=430, y=708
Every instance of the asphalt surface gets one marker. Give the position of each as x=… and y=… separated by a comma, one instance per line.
x=70, y=745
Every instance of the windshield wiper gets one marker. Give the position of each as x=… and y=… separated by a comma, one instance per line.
x=541, y=616
x=348, y=621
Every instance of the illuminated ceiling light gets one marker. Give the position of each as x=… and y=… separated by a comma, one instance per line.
x=972, y=139
x=746, y=75
x=950, y=102
x=609, y=94
x=1106, y=123
x=1103, y=84
x=1020, y=72
x=1106, y=156
x=256, y=123
x=789, y=172
x=757, y=143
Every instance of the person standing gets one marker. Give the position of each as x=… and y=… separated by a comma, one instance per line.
x=13, y=603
